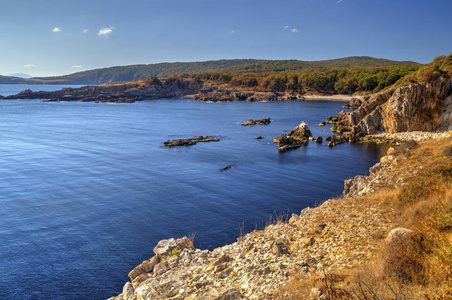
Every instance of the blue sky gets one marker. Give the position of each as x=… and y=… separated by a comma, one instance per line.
x=54, y=37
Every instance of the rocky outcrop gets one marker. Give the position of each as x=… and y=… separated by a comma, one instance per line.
x=355, y=102
x=338, y=235
x=296, y=138
x=189, y=142
x=416, y=107
x=259, y=122
x=152, y=88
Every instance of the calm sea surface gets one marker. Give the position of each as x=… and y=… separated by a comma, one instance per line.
x=87, y=190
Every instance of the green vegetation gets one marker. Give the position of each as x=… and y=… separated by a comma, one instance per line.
x=337, y=81
x=440, y=66
x=175, y=252
x=316, y=66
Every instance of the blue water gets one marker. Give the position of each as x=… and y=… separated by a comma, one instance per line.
x=87, y=190
x=13, y=89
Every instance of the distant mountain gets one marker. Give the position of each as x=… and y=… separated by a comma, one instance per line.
x=318, y=66
x=20, y=75
x=136, y=72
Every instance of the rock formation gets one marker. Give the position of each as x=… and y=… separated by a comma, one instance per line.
x=152, y=88
x=189, y=142
x=298, y=137
x=260, y=122
x=419, y=106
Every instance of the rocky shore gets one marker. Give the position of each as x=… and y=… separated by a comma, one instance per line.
x=340, y=234
x=155, y=88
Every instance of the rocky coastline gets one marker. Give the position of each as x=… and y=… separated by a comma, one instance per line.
x=164, y=88
x=340, y=234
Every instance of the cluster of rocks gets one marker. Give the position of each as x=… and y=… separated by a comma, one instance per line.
x=189, y=142
x=259, y=122
x=296, y=138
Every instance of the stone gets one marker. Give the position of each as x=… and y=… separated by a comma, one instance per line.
x=279, y=248
x=259, y=137
x=128, y=291
x=259, y=122
x=161, y=267
x=301, y=131
x=230, y=294
x=164, y=247
x=145, y=267
x=322, y=124
x=189, y=142
x=298, y=137
x=319, y=140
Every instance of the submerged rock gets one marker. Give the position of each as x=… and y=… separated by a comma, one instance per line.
x=189, y=142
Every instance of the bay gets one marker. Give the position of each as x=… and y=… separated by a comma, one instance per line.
x=87, y=190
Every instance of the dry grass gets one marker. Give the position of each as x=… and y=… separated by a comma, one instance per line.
x=418, y=269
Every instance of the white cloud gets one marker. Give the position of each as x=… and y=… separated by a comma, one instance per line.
x=339, y=1
x=76, y=67
x=56, y=29
x=84, y=30
x=292, y=29
x=30, y=66
x=231, y=31
x=105, y=31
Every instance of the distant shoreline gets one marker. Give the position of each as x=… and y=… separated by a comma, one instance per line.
x=334, y=98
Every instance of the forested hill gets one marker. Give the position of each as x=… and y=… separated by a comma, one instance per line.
x=317, y=66
x=135, y=72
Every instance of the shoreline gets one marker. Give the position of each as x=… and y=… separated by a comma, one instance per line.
x=262, y=262
x=332, y=98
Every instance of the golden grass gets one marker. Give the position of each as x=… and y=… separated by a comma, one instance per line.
x=419, y=269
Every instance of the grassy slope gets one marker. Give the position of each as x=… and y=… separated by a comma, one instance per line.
x=421, y=268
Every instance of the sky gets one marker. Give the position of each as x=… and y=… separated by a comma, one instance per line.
x=56, y=37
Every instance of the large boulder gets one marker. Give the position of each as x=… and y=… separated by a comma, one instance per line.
x=301, y=131
x=164, y=247
x=298, y=137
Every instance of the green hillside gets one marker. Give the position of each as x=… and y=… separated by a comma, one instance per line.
x=317, y=66
x=135, y=72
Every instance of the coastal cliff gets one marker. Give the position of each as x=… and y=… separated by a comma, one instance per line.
x=425, y=104
x=291, y=255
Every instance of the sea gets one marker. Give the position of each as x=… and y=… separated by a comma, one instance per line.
x=87, y=189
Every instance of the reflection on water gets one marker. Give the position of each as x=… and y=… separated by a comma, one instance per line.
x=88, y=190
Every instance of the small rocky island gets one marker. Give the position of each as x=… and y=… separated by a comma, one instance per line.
x=257, y=122
x=189, y=142
x=298, y=137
